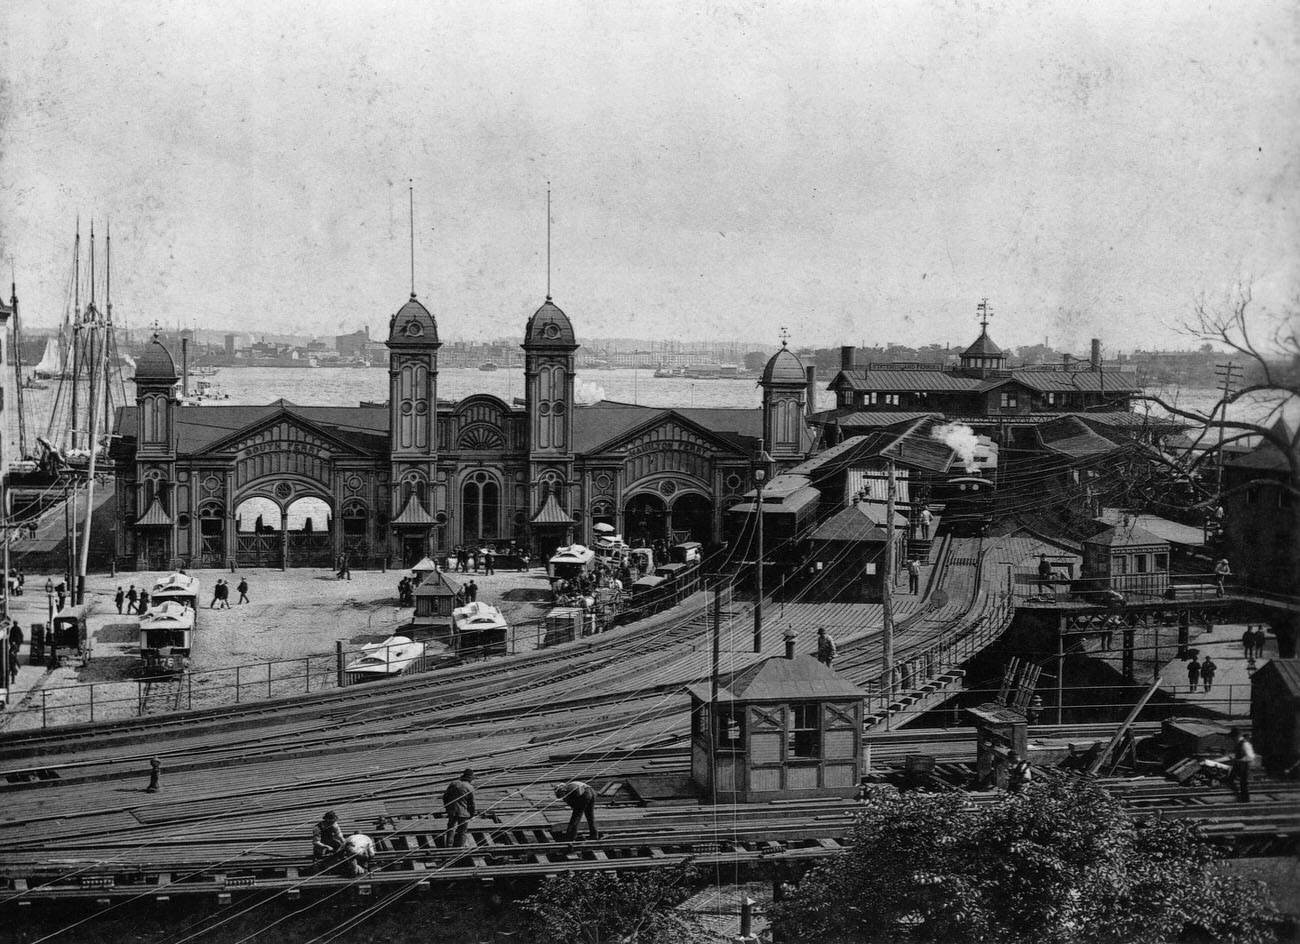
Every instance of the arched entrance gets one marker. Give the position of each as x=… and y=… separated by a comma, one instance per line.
x=308, y=525
x=356, y=530
x=212, y=534
x=480, y=502
x=257, y=533
x=692, y=518
x=645, y=520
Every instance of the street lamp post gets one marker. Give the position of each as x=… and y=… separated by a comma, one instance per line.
x=760, y=475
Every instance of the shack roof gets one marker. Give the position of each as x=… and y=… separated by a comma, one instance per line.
x=856, y=523
x=781, y=679
x=1126, y=536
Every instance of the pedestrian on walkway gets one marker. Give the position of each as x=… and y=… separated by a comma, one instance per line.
x=927, y=521
x=1222, y=571
x=913, y=575
x=223, y=593
x=155, y=769
x=1193, y=673
x=1260, y=639
x=118, y=598
x=458, y=800
x=143, y=606
x=582, y=800
x=825, y=647
x=489, y=563
x=1248, y=641
x=471, y=591
x=1243, y=756
x=131, y=597
x=243, y=590
x=1208, y=668
x=61, y=595
x=216, y=594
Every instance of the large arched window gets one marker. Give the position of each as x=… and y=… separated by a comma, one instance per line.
x=480, y=507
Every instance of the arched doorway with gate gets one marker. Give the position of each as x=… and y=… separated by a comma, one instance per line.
x=692, y=518
x=258, y=523
x=308, y=524
x=212, y=534
x=645, y=519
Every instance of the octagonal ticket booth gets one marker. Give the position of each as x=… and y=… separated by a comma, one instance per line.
x=784, y=727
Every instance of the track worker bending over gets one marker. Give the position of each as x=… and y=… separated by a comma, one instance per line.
x=327, y=837
x=582, y=800
x=358, y=855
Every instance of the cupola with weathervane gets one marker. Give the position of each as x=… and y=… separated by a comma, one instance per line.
x=983, y=357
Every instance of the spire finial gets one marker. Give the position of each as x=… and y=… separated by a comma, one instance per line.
x=108, y=271
x=92, y=263
x=986, y=313
x=548, y=240
x=785, y=336
x=411, y=195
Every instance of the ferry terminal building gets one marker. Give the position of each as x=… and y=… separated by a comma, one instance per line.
x=290, y=485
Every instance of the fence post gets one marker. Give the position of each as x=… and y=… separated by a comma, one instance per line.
x=306, y=667
x=43, y=694
x=338, y=663
x=236, y=685
x=92, y=701
x=268, y=679
x=139, y=697
x=189, y=690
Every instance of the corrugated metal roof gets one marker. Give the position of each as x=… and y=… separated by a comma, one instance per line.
x=863, y=419
x=861, y=522
x=798, y=501
x=155, y=515
x=885, y=380
x=1125, y=536
x=903, y=380
x=552, y=513
x=782, y=679
x=872, y=483
x=413, y=513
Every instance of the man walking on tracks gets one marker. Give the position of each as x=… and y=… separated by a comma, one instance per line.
x=1243, y=755
x=582, y=800
x=458, y=799
x=825, y=647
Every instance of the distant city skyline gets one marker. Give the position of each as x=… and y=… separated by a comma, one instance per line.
x=853, y=172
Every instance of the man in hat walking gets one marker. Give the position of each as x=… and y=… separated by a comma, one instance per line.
x=458, y=799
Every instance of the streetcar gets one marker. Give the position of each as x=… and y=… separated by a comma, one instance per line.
x=968, y=503
x=166, y=638
x=177, y=587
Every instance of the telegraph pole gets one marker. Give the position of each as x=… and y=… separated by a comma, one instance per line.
x=887, y=584
x=1230, y=374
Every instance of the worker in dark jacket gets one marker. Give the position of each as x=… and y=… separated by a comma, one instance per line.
x=327, y=837
x=582, y=800
x=458, y=799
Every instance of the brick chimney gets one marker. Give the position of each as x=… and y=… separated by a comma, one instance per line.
x=848, y=357
x=1094, y=361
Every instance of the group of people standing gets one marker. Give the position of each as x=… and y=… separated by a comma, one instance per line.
x=1252, y=641
x=134, y=601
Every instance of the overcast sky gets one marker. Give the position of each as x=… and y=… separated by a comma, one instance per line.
x=855, y=171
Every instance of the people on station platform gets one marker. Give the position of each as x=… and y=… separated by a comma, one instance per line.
x=913, y=575
x=927, y=522
x=327, y=837
x=1193, y=672
x=458, y=800
x=581, y=799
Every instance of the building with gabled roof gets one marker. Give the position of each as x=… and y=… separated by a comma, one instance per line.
x=783, y=727
x=285, y=484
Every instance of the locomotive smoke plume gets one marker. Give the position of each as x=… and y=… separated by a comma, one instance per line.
x=962, y=440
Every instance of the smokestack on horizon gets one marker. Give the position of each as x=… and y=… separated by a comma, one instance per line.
x=1094, y=361
x=848, y=357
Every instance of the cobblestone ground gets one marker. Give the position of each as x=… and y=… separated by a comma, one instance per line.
x=293, y=620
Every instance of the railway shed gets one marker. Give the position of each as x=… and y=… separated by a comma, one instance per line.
x=783, y=728
x=1275, y=713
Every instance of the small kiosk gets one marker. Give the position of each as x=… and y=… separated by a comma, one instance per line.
x=784, y=727
x=1128, y=559
x=435, y=598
